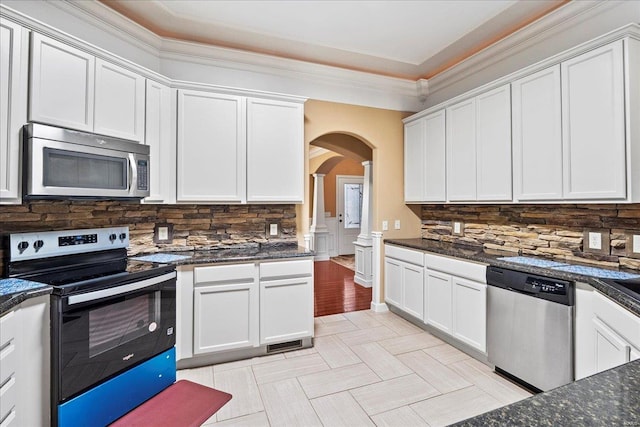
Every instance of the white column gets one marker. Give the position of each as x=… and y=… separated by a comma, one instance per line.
x=377, y=302
x=318, y=227
x=365, y=221
x=363, y=245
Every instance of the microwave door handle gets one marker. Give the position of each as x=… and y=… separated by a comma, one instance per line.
x=118, y=290
x=133, y=174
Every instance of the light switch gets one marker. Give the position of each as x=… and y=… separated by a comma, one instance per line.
x=458, y=228
x=385, y=225
x=635, y=247
x=273, y=229
x=396, y=224
x=595, y=240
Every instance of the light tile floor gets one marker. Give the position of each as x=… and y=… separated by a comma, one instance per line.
x=366, y=369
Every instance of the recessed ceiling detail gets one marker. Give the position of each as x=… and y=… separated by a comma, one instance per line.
x=406, y=39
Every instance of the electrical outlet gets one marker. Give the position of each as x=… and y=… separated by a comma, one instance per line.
x=396, y=224
x=595, y=241
x=457, y=229
x=635, y=244
x=163, y=233
x=385, y=225
x=273, y=229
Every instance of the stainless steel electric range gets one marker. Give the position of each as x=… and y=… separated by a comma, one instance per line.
x=112, y=321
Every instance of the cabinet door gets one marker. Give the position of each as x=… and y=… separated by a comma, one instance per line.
x=119, y=102
x=435, y=158
x=414, y=161
x=286, y=309
x=537, y=136
x=225, y=317
x=461, y=151
x=493, y=144
x=593, y=124
x=160, y=137
x=61, y=90
x=413, y=290
x=611, y=350
x=438, y=301
x=275, y=151
x=13, y=106
x=211, y=147
x=470, y=312
x=393, y=282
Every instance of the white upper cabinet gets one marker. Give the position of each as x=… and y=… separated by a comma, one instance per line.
x=61, y=85
x=425, y=160
x=119, y=102
x=275, y=151
x=211, y=147
x=13, y=106
x=593, y=126
x=493, y=145
x=160, y=137
x=461, y=151
x=72, y=89
x=537, y=136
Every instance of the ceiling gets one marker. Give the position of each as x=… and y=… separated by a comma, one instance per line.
x=406, y=39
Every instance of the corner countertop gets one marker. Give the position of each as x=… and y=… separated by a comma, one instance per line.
x=609, y=398
x=252, y=252
x=493, y=257
x=15, y=291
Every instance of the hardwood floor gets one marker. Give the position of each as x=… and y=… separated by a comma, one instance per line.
x=335, y=292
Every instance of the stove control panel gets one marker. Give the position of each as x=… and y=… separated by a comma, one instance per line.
x=44, y=244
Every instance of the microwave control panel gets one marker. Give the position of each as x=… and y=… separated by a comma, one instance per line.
x=143, y=174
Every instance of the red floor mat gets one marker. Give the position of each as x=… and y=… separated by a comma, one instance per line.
x=182, y=404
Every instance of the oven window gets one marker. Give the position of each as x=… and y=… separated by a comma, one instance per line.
x=115, y=324
x=64, y=168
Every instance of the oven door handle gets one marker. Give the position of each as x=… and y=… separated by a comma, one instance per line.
x=110, y=292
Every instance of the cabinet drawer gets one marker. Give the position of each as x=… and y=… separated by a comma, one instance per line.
x=224, y=273
x=8, y=327
x=617, y=318
x=283, y=269
x=8, y=397
x=407, y=255
x=468, y=270
x=8, y=360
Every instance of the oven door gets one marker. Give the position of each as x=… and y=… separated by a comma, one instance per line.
x=104, y=332
x=57, y=169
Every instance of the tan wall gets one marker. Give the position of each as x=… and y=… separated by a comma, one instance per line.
x=345, y=167
x=383, y=131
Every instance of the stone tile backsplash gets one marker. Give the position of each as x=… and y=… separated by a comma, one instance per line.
x=194, y=226
x=553, y=231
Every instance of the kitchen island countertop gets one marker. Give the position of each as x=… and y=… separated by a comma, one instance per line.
x=609, y=398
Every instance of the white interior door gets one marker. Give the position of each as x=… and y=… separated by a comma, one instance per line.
x=348, y=210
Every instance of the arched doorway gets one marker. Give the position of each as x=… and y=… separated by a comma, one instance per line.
x=340, y=218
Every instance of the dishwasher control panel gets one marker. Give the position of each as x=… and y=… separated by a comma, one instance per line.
x=537, y=284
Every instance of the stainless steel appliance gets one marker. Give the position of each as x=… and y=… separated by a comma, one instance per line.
x=63, y=163
x=112, y=320
x=530, y=327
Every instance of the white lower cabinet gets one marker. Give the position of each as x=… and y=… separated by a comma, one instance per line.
x=243, y=306
x=24, y=364
x=286, y=301
x=404, y=280
x=469, y=312
x=607, y=335
x=225, y=308
x=446, y=293
x=438, y=300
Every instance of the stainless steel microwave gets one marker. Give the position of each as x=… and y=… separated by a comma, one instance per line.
x=63, y=163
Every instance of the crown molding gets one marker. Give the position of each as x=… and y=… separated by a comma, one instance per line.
x=547, y=26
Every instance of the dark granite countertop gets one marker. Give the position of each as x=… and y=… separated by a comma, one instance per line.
x=609, y=398
x=254, y=252
x=15, y=291
x=492, y=257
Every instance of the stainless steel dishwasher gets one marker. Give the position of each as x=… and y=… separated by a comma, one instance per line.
x=530, y=327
